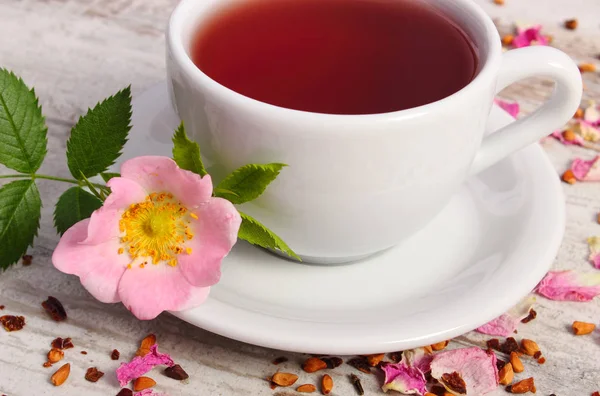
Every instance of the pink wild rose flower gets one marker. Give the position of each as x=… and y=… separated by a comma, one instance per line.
x=156, y=244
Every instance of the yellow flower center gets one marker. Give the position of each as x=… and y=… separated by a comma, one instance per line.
x=156, y=229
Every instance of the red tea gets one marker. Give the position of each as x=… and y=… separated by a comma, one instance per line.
x=336, y=56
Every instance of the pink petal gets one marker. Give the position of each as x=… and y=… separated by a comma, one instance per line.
x=506, y=324
x=529, y=36
x=502, y=326
x=401, y=378
x=594, y=245
x=569, y=286
x=124, y=192
x=558, y=135
x=149, y=392
x=586, y=170
x=418, y=358
x=511, y=108
x=148, y=291
x=215, y=233
x=99, y=266
x=103, y=226
x=140, y=365
x=161, y=174
x=476, y=367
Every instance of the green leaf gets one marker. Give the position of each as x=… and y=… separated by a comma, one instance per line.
x=22, y=126
x=106, y=176
x=20, y=209
x=187, y=153
x=98, y=137
x=254, y=232
x=73, y=206
x=248, y=182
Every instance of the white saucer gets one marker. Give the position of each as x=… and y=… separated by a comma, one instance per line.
x=487, y=249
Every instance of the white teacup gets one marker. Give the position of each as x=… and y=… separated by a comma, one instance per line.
x=359, y=184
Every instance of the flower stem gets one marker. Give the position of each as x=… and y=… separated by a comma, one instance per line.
x=47, y=177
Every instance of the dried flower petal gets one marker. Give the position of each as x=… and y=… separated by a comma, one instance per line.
x=569, y=286
x=587, y=131
x=140, y=365
x=419, y=358
x=594, y=245
x=586, y=170
x=506, y=324
x=591, y=114
x=475, y=366
x=404, y=379
x=529, y=35
x=149, y=392
x=511, y=108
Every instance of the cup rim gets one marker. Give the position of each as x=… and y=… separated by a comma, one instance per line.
x=182, y=12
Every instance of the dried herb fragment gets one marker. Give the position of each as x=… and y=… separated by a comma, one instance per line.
x=583, y=328
x=361, y=364
x=357, y=384
x=2, y=307
x=455, y=383
x=61, y=375
x=142, y=383
x=587, y=68
x=516, y=363
x=145, y=345
x=93, y=375
x=60, y=343
x=541, y=360
x=284, y=379
x=55, y=309
x=506, y=375
x=27, y=259
x=510, y=345
x=326, y=384
x=374, y=360
x=12, y=323
x=55, y=355
x=313, y=364
x=125, y=392
x=571, y=24
x=569, y=177
x=531, y=316
x=306, y=388
x=527, y=385
x=176, y=372
x=114, y=355
x=279, y=360
x=494, y=343
x=47, y=364
x=333, y=362
x=395, y=357
x=83, y=352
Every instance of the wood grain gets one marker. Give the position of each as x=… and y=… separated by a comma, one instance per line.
x=76, y=52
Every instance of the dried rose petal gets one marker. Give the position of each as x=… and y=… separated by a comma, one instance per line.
x=475, y=366
x=506, y=324
x=149, y=392
x=511, y=108
x=594, y=245
x=569, y=286
x=586, y=170
x=419, y=358
x=140, y=365
x=529, y=35
x=404, y=379
x=55, y=309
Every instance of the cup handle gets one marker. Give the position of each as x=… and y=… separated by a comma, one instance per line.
x=519, y=64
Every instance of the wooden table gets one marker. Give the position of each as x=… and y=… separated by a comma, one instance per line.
x=76, y=52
